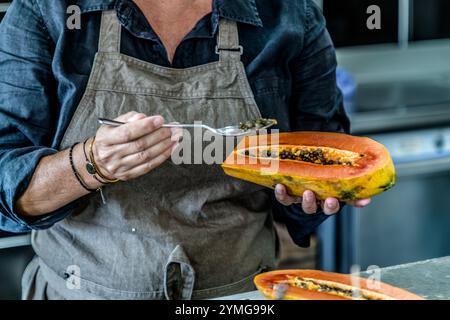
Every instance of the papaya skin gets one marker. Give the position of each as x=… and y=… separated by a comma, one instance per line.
x=375, y=174
x=344, y=190
x=265, y=284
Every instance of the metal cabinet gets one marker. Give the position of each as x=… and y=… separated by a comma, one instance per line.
x=15, y=253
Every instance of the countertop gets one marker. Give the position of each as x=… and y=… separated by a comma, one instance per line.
x=429, y=279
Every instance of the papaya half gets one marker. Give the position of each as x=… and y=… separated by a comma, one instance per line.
x=330, y=164
x=320, y=285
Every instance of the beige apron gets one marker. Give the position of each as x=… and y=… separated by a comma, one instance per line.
x=179, y=232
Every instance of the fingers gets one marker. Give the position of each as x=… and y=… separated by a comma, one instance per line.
x=283, y=197
x=360, y=203
x=142, y=144
x=130, y=116
x=309, y=203
x=147, y=155
x=148, y=166
x=134, y=148
x=331, y=206
x=136, y=127
x=177, y=134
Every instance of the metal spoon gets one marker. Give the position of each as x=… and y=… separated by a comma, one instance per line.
x=230, y=131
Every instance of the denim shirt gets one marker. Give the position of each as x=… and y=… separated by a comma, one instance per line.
x=44, y=68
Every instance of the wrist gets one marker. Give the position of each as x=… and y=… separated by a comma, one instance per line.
x=93, y=167
x=80, y=163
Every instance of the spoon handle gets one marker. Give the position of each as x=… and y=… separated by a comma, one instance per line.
x=111, y=123
x=114, y=123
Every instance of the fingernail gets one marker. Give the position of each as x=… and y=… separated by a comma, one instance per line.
x=307, y=196
x=331, y=205
x=278, y=190
x=158, y=121
x=176, y=134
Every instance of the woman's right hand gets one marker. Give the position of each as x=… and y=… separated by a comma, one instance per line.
x=135, y=148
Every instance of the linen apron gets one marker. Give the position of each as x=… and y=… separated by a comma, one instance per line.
x=180, y=232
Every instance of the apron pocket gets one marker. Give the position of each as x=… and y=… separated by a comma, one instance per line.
x=179, y=276
x=241, y=286
x=77, y=288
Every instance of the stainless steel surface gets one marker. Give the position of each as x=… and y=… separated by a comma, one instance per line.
x=15, y=253
x=12, y=265
x=230, y=131
x=400, y=92
x=417, y=145
x=393, y=105
x=429, y=279
x=425, y=167
x=403, y=23
x=4, y=7
x=423, y=116
x=399, y=88
x=422, y=60
x=410, y=222
x=406, y=94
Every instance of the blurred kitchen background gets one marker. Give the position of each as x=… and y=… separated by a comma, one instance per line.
x=396, y=83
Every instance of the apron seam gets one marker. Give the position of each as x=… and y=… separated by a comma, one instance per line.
x=93, y=284
x=157, y=93
x=242, y=282
x=165, y=70
x=245, y=86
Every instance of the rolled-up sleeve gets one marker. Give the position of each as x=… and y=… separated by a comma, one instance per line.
x=27, y=109
x=316, y=104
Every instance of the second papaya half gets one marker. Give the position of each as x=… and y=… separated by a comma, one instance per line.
x=330, y=164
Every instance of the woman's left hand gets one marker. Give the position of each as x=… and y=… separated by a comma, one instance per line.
x=309, y=203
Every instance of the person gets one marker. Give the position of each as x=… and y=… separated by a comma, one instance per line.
x=112, y=216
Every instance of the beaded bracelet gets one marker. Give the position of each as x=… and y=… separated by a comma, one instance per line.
x=77, y=175
x=75, y=172
x=89, y=166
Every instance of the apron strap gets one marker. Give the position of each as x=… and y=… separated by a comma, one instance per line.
x=228, y=47
x=110, y=33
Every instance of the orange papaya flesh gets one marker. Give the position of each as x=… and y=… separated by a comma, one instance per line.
x=320, y=285
x=330, y=164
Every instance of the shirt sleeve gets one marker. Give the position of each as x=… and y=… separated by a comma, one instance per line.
x=27, y=110
x=316, y=105
x=316, y=102
x=299, y=224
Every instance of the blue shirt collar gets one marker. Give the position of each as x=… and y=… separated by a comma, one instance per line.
x=244, y=11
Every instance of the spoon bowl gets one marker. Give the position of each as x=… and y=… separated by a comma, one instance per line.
x=229, y=131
